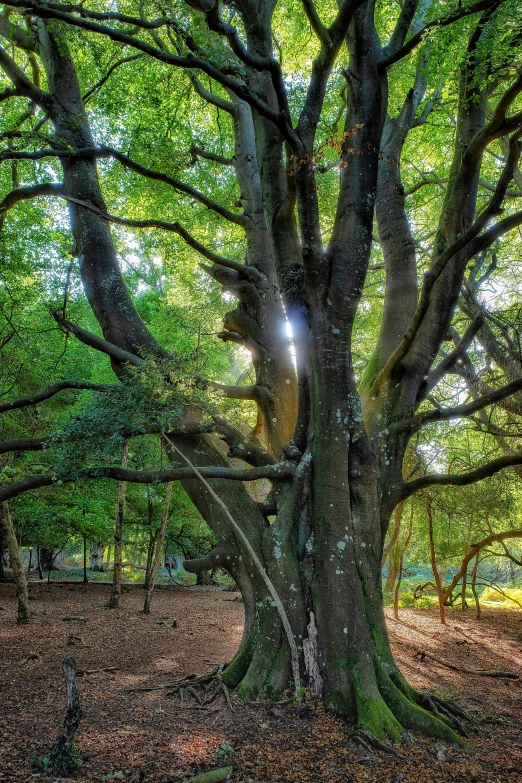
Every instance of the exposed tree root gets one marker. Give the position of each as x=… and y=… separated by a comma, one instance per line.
x=204, y=690
x=364, y=737
x=448, y=712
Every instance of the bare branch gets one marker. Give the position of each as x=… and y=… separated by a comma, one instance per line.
x=109, y=73
x=474, y=549
x=197, y=152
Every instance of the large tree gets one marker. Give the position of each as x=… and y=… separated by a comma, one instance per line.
x=312, y=109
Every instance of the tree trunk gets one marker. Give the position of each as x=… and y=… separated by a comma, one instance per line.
x=397, y=590
x=434, y=568
x=22, y=595
x=463, y=602
x=85, y=580
x=114, y=600
x=46, y=559
x=153, y=534
x=474, y=585
x=96, y=556
x=159, y=549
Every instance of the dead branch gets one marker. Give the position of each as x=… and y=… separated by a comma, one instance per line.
x=422, y=654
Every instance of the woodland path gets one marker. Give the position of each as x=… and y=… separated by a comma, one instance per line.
x=124, y=732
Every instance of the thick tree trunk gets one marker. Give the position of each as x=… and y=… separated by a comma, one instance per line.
x=22, y=595
x=114, y=600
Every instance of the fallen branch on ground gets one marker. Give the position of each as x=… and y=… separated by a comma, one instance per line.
x=82, y=672
x=481, y=672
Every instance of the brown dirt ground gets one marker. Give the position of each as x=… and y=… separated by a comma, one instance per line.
x=126, y=732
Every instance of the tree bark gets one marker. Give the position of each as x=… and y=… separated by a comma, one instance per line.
x=96, y=556
x=85, y=579
x=159, y=549
x=433, y=558
x=22, y=595
x=474, y=585
x=73, y=715
x=114, y=600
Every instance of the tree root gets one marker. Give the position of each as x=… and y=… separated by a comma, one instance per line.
x=204, y=690
x=364, y=737
x=448, y=712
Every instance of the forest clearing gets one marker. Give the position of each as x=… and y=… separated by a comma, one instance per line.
x=126, y=731
x=260, y=390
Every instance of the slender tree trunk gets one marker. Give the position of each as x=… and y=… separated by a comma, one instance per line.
x=85, y=580
x=463, y=602
x=399, y=577
x=434, y=568
x=30, y=560
x=114, y=600
x=159, y=549
x=152, y=542
x=39, y=558
x=22, y=595
x=474, y=585
x=109, y=555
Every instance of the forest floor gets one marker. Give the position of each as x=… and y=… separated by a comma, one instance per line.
x=133, y=735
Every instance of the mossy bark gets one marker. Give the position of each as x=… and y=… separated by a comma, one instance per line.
x=22, y=595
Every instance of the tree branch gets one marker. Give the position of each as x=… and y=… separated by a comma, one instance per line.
x=189, y=61
x=449, y=361
x=461, y=479
x=454, y=16
x=25, y=86
x=281, y=471
x=98, y=343
x=460, y=411
x=474, y=549
x=29, y=192
x=34, y=399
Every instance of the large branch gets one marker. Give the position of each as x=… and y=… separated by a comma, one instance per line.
x=26, y=193
x=282, y=471
x=474, y=549
x=159, y=176
x=34, y=399
x=24, y=85
x=460, y=411
x=461, y=479
x=23, y=444
x=474, y=8
x=98, y=343
x=188, y=61
x=175, y=228
x=428, y=299
x=449, y=361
